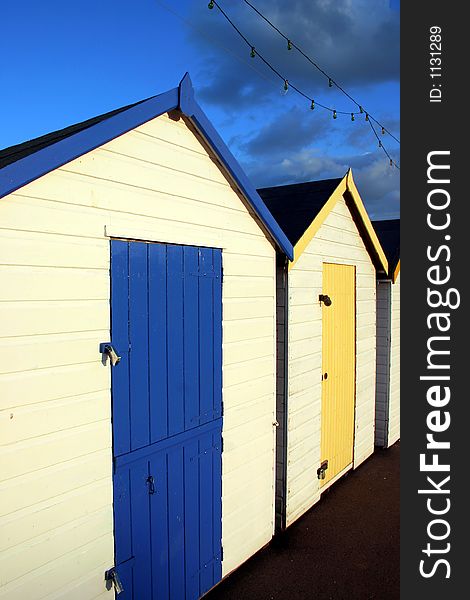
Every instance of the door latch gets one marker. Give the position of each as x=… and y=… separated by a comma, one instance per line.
x=113, y=579
x=151, y=484
x=321, y=472
x=109, y=350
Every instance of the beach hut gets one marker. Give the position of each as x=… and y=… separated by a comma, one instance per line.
x=326, y=338
x=387, y=409
x=137, y=357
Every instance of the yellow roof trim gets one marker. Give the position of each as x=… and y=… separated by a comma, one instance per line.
x=318, y=221
x=346, y=184
x=366, y=221
x=396, y=272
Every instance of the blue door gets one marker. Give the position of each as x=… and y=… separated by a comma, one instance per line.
x=166, y=322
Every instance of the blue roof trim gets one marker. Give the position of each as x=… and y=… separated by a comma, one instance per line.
x=191, y=109
x=33, y=166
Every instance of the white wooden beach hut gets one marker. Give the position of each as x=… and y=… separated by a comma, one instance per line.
x=326, y=338
x=137, y=357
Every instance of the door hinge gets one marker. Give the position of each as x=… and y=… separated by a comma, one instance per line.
x=221, y=444
x=321, y=472
x=205, y=274
x=221, y=553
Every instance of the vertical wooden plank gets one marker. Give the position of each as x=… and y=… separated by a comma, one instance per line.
x=158, y=385
x=159, y=527
x=218, y=411
x=206, y=331
x=175, y=339
x=191, y=338
x=122, y=515
x=138, y=337
x=218, y=407
x=217, y=333
x=206, y=512
x=329, y=368
x=176, y=521
x=120, y=339
x=217, y=504
x=191, y=518
x=139, y=472
x=126, y=575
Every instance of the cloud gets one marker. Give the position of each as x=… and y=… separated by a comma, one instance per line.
x=354, y=40
x=361, y=136
x=289, y=131
x=278, y=140
x=377, y=182
x=305, y=165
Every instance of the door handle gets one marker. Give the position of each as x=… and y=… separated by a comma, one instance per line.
x=324, y=377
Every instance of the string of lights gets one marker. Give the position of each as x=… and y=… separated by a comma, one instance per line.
x=255, y=53
x=392, y=162
x=331, y=81
x=287, y=85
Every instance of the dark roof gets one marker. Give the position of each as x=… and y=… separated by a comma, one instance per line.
x=388, y=233
x=14, y=153
x=295, y=206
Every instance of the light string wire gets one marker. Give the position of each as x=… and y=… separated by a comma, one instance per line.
x=312, y=62
x=288, y=85
x=212, y=40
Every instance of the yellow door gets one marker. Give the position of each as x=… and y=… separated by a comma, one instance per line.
x=339, y=366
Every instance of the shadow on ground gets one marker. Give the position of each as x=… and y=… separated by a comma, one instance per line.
x=345, y=547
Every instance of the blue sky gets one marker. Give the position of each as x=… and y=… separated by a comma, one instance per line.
x=63, y=62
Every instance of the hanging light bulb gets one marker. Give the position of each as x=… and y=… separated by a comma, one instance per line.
x=334, y=114
x=352, y=116
x=211, y=5
x=383, y=130
x=289, y=45
x=330, y=83
x=367, y=116
x=391, y=162
x=361, y=110
x=252, y=53
x=380, y=144
x=312, y=106
x=286, y=85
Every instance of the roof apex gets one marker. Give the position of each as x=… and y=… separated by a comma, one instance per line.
x=79, y=141
x=310, y=212
x=186, y=94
